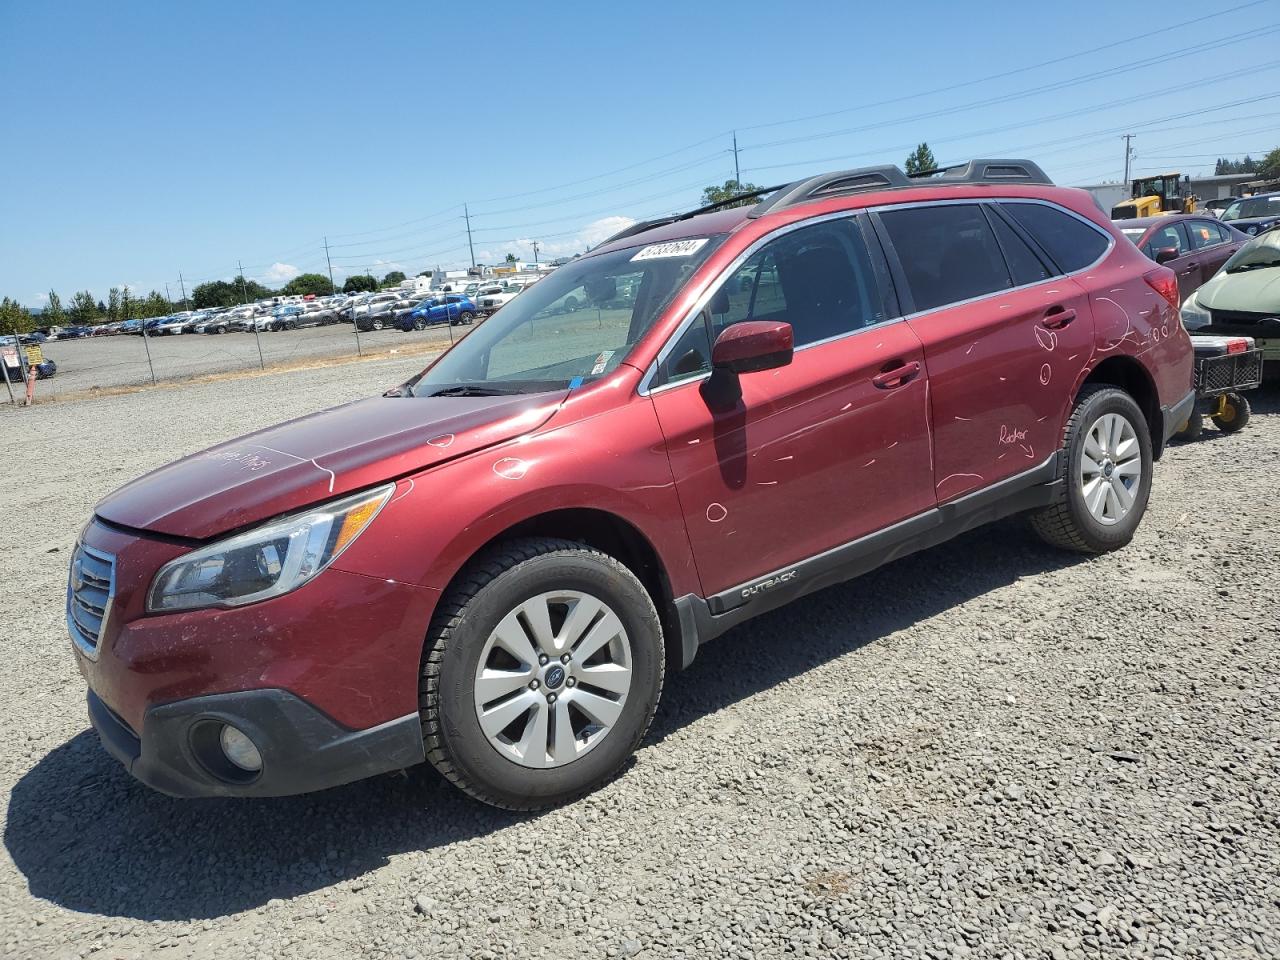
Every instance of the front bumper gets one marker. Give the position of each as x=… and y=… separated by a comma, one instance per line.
x=302, y=749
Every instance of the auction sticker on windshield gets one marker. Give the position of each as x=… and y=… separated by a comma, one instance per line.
x=675, y=248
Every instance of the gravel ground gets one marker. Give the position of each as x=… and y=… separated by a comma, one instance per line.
x=987, y=750
x=122, y=360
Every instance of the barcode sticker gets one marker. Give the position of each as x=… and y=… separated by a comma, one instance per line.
x=675, y=248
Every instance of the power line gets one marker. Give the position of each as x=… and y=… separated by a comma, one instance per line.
x=1023, y=94
x=1039, y=65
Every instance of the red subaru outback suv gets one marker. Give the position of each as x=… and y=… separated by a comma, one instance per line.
x=492, y=566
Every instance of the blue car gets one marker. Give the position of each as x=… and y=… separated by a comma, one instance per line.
x=451, y=308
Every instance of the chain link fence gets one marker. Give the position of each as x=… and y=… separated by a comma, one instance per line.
x=88, y=364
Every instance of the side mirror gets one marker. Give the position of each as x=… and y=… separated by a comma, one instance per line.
x=1165, y=254
x=753, y=345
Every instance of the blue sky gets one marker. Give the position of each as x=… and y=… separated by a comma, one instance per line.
x=147, y=139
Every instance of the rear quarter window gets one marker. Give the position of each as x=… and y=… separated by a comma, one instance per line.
x=1069, y=241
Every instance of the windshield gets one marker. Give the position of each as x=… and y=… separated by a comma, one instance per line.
x=1262, y=251
x=579, y=323
x=1252, y=207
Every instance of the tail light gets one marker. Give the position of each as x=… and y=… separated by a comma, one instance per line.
x=1164, y=282
x=1237, y=345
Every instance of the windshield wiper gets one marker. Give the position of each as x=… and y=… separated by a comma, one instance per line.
x=1254, y=266
x=473, y=390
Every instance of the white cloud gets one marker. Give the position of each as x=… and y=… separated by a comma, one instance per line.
x=595, y=232
x=281, y=273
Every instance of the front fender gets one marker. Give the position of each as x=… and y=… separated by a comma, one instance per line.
x=614, y=462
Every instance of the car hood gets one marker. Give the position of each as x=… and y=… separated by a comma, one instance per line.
x=1250, y=291
x=308, y=460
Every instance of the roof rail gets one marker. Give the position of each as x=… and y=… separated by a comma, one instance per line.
x=642, y=225
x=889, y=177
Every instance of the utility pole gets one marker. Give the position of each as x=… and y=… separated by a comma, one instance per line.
x=1128, y=155
x=167, y=295
x=244, y=290
x=737, y=176
x=332, y=286
x=467, y=214
x=182, y=283
x=535, y=253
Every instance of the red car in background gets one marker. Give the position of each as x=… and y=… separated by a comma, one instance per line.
x=1193, y=247
x=492, y=566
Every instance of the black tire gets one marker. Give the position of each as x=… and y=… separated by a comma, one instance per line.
x=1235, y=414
x=1192, y=429
x=482, y=595
x=375, y=324
x=467, y=317
x=419, y=324
x=1068, y=524
x=220, y=330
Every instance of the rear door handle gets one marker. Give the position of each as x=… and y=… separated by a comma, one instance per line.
x=897, y=376
x=1057, y=318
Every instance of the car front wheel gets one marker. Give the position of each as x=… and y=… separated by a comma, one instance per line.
x=1105, y=469
x=542, y=671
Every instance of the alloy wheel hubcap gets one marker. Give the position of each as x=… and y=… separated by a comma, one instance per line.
x=1110, y=468
x=553, y=678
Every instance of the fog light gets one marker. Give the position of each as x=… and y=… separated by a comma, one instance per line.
x=239, y=749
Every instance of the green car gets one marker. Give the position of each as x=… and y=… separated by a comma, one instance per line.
x=1243, y=298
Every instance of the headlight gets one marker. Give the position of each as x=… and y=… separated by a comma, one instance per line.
x=1194, y=316
x=267, y=562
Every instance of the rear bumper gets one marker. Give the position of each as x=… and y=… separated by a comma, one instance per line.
x=302, y=748
x=1175, y=415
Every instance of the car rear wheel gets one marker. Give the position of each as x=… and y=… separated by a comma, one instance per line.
x=542, y=671
x=1105, y=469
x=467, y=317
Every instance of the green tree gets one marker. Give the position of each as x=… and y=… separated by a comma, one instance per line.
x=83, y=309
x=727, y=191
x=15, y=318
x=155, y=305
x=392, y=278
x=359, y=283
x=511, y=258
x=53, y=315
x=921, y=159
x=228, y=293
x=113, y=305
x=307, y=283
x=1269, y=166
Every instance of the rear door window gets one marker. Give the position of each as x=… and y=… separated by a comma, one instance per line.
x=948, y=252
x=1069, y=241
x=1205, y=233
x=1025, y=266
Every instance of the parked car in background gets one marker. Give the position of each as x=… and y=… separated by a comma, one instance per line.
x=491, y=298
x=294, y=317
x=379, y=313
x=374, y=302
x=1243, y=298
x=1192, y=246
x=493, y=566
x=1252, y=215
x=1216, y=206
x=220, y=323
x=170, y=326
x=452, y=308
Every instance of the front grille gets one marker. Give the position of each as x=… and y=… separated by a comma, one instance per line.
x=90, y=589
x=1233, y=371
x=1239, y=316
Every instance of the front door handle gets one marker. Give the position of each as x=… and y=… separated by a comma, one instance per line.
x=1057, y=318
x=897, y=376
